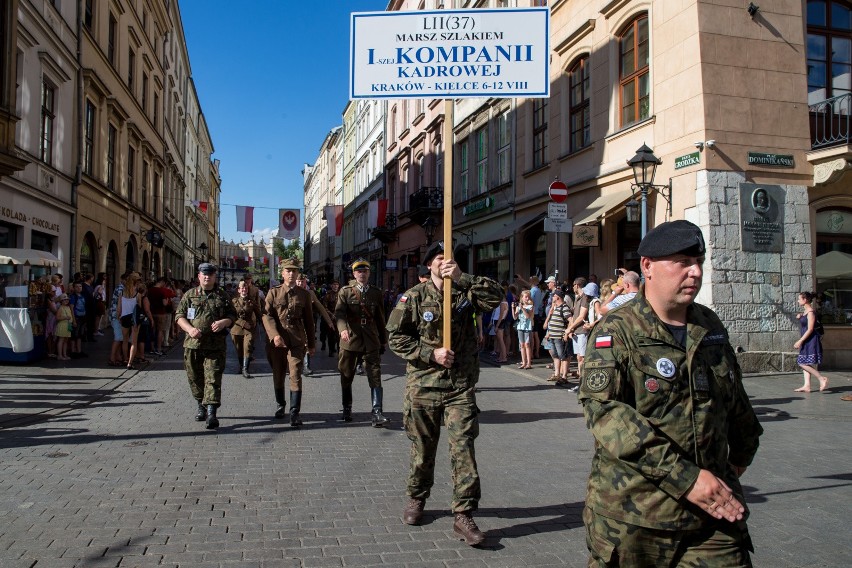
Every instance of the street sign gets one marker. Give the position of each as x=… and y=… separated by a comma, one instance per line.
x=430, y=54
x=558, y=225
x=558, y=191
x=557, y=210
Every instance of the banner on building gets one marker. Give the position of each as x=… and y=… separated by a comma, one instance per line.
x=433, y=54
x=334, y=218
x=201, y=206
x=377, y=210
x=245, y=219
x=288, y=224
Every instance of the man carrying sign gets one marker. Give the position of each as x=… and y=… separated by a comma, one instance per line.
x=441, y=383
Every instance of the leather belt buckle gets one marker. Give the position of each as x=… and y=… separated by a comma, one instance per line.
x=363, y=321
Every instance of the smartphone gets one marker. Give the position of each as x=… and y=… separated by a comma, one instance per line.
x=617, y=272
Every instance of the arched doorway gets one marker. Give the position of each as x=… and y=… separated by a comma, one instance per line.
x=146, y=266
x=112, y=266
x=88, y=254
x=130, y=255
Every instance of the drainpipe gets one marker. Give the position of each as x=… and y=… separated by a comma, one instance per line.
x=78, y=172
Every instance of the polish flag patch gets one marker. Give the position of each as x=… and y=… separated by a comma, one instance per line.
x=603, y=341
x=403, y=299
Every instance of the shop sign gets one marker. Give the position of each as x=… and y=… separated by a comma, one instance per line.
x=774, y=160
x=20, y=217
x=687, y=160
x=477, y=206
x=586, y=236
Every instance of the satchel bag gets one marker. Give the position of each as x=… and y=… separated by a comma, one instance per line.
x=818, y=329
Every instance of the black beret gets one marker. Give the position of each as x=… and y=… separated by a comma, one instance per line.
x=434, y=250
x=207, y=268
x=674, y=237
x=558, y=294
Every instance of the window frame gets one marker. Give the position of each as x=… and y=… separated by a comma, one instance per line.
x=48, y=117
x=539, y=132
x=89, y=138
x=464, y=169
x=112, y=37
x=829, y=33
x=504, y=147
x=112, y=141
x=637, y=73
x=480, y=140
x=579, y=70
x=131, y=171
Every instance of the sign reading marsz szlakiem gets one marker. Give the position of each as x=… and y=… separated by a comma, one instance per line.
x=450, y=54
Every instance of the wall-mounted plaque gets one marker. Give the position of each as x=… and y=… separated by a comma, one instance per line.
x=762, y=217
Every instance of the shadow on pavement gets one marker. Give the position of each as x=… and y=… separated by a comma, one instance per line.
x=503, y=417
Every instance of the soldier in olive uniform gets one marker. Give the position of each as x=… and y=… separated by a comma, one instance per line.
x=673, y=426
x=441, y=383
x=205, y=313
x=360, y=318
x=243, y=330
x=289, y=323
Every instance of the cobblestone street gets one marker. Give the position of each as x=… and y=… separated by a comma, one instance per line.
x=131, y=480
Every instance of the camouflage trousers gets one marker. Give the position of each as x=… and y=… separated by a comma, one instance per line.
x=372, y=366
x=613, y=543
x=422, y=411
x=204, y=370
x=244, y=344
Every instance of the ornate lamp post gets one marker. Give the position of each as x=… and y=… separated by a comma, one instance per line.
x=644, y=165
x=429, y=226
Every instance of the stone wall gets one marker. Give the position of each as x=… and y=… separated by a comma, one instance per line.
x=754, y=294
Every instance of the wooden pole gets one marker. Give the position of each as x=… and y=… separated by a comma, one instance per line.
x=447, y=141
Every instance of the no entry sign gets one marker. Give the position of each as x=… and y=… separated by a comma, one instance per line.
x=558, y=191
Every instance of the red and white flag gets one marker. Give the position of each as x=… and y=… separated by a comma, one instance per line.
x=334, y=218
x=245, y=219
x=377, y=209
x=603, y=341
x=202, y=205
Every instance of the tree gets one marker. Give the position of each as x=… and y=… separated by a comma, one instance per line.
x=292, y=250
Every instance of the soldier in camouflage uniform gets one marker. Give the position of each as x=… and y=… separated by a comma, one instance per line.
x=289, y=323
x=441, y=383
x=360, y=316
x=243, y=330
x=674, y=430
x=205, y=313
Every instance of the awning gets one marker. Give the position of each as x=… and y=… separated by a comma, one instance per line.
x=29, y=257
x=834, y=265
x=505, y=230
x=601, y=206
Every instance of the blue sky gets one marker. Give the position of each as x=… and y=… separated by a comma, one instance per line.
x=271, y=77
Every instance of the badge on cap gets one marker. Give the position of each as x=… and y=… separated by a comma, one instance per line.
x=428, y=316
x=665, y=367
x=652, y=385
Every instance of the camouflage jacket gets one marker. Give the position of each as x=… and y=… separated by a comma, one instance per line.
x=415, y=330
x=248, y=314
x=288, y=313
x=363, y=315
x=205, y=308
x=659, y=413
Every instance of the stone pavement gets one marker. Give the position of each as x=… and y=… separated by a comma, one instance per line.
x=129, y=479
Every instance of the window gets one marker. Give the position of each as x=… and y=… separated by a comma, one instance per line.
x=112, y=36
x=539, y=132
x=48, y=115
x=504, y=154
x=131, y=171
x=112, y=135
x=420, y=172
x=463, y=163
x=829, y=49
x=154, y=110
x=144, y=190
x=393, y=124
x=439, y=164
x=578, y=82
x=482, y=160
x=88, y=14
x=145, y=93
x=833, y=265
x=88, y=157
x=634, y=72
x=156, y=192
x=131, y=68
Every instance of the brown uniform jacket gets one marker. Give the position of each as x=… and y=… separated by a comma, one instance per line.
x=248, y=314
x=288, y=313
x=363, y=315
x=320, y=309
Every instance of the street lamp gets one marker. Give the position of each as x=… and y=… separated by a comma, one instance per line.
x=429, y=226
x=644, y=165
x=203, y=248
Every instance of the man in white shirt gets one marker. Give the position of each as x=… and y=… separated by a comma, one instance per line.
x=621, y=295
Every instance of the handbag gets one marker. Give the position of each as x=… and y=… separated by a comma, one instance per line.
x=140, y=316
x=818, y=329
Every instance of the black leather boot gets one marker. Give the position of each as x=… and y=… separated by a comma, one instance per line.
x=212, y=421
x=201, y=415
x=282, y=404
x=379, y=419
x=347, y=403
x=295, y=406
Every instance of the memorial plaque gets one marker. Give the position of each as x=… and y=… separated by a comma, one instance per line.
x=762, y=217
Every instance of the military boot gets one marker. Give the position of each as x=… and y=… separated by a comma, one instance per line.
x=201, y=415
x=379, y=419
x=212, y=421
x=282, y=404
x=347, y=403
x=413, y=512
x=466, y=528
x=245, y=369
x=295, y=406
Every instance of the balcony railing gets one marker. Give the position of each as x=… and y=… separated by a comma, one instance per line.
x=830, y=121
x=387, y=233
x=426, y=198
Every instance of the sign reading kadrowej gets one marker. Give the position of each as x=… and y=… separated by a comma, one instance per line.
x=450, y=54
